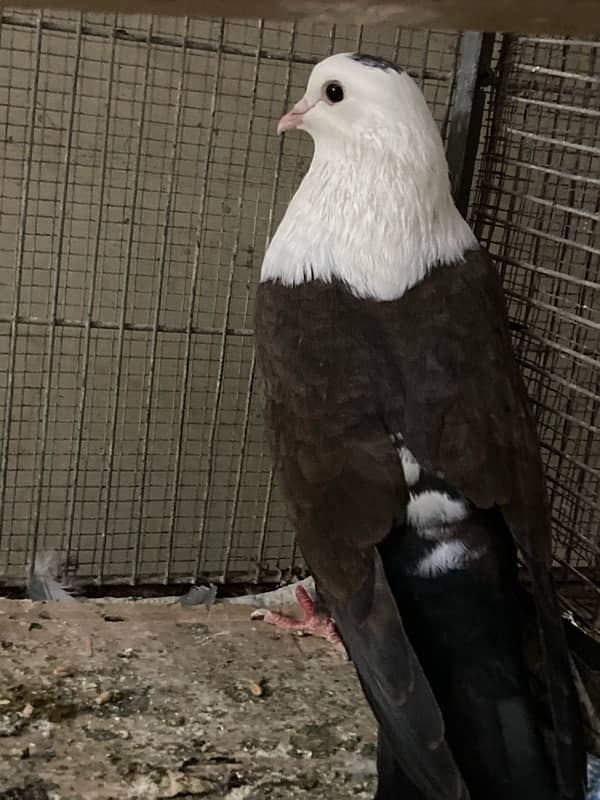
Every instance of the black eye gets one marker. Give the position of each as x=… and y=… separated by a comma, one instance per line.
x=334, y=92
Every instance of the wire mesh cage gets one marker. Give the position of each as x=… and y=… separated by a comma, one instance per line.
x=537, y=210
x=141, y=177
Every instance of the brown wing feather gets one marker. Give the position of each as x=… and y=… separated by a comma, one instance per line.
x=479, y=429
x=345, y=487
x=481, y=434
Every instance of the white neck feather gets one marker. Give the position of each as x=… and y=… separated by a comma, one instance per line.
x=377, y=219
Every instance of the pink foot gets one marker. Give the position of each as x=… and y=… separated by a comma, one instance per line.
x=313, y=624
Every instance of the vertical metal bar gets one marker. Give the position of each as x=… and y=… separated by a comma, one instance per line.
x=293, y=555
x=110, y=457
x=451, y=90
x=264, y=524
x=249, y=393
x=51, y=328
x=194, y=284
x=332, y=36
x=274, y=191
x=9, y=76
x=425, y=56
x=218, y=393
x=494, y=136
x=156, y=315
x=397, y=43
x=6, y=539
x=466, y=117
x=359, y=38
x=67, y=538
x=238, y=472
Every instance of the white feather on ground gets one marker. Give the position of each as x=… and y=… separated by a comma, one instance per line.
x=200, y=596
x=43, y=583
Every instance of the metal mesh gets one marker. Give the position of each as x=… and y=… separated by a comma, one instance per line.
x=141, y=176
x=537, y=210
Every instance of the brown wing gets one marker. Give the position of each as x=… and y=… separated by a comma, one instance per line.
x=468, y=416
x=345, y=487
x=467, y=412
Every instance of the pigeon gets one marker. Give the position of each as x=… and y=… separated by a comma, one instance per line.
x=406, y=450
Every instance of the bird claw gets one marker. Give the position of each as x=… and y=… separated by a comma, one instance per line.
x=313, y=624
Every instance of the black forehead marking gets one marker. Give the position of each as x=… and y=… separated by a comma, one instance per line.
x=375, y=61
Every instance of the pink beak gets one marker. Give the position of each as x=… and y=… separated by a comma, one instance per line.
x=293, y=119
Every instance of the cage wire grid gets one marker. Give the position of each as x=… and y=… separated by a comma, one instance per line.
x=537, y=209
x=141, y=177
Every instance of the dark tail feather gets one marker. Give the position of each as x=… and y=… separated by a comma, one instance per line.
x=396, y=686
x=569, y=751
x=392, y=783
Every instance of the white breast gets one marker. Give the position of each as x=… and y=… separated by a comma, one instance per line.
x=375, y=226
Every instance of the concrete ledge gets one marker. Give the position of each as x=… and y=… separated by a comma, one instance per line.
x=534, y=16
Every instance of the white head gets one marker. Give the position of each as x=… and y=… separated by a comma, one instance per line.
x=375, y=208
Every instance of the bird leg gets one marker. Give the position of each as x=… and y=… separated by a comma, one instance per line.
x=313, y=624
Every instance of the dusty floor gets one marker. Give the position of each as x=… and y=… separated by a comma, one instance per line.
x=142, y=700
